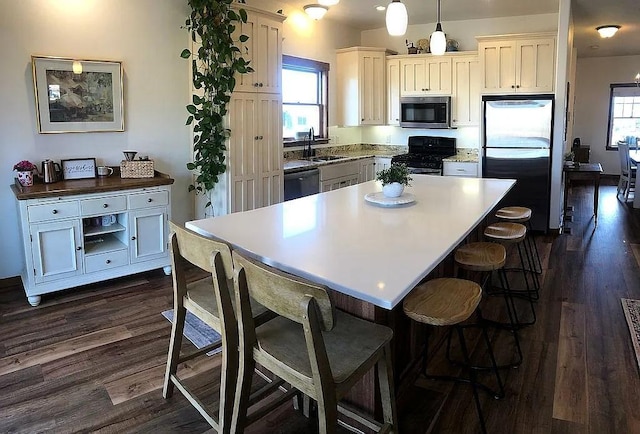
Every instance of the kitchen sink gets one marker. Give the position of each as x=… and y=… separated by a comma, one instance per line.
x=327, y=158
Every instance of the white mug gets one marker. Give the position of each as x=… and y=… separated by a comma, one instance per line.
x=108, y=220
x=104, y=171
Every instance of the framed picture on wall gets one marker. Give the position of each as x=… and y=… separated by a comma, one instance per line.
x=77, y=96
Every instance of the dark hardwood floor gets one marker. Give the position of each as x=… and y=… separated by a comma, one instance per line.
x=92, y=359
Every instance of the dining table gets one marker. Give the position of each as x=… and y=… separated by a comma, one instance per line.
x=634, y=156
x=369, y=250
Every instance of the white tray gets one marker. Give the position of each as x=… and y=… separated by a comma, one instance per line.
x=380, y=199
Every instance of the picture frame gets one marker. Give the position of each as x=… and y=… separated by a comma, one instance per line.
x=78, y=168
x=77, y=96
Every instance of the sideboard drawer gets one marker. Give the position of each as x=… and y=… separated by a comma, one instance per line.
x=52, y=211
x=104, y=261
x=104, y=205
x=148, y=200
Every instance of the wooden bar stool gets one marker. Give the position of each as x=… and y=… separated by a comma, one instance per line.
x=487, y=258
x=320, y=351
x=520, y=214
x=507, y=233
x=450, y=302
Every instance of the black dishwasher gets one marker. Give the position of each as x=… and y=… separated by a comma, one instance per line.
x=300, y=184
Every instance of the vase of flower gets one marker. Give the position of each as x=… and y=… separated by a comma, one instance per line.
x=25, y=172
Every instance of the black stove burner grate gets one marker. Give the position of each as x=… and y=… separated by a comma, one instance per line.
x=427, y=152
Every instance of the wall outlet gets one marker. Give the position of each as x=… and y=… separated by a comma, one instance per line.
x=388, y=141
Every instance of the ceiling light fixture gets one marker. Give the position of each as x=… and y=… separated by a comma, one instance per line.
x=638, y=79
x=328, y=2
x=438, y=41
x=608, y=30
x=380, y=8
x=316, y=11
x=396, y=18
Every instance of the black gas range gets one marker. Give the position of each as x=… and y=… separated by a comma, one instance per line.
x=426, y=153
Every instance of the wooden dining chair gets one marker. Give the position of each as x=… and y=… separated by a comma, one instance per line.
x=320, y=351
x=627, y=172
x=211, y=300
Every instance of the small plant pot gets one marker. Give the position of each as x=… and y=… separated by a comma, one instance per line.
x=25, y=178
x=394, y=189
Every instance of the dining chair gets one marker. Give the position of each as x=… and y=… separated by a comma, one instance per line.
x=211, y=300
x=318, y=350
x=627, y=172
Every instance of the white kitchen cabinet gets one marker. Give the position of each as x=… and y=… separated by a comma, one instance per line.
x=76, y=239
x=263, y=49
x=422, y=75
x=460, y=168
x=393, y=91
x=338, y=175
x=254, y=176
x=255, y=151
x=465, y=101
x=522, y=63
x=367, y=169
x=382, y=163
x=361, y=85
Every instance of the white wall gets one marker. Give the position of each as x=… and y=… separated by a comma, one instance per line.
x=463, y=31
x=593, y=77
x=146, y=36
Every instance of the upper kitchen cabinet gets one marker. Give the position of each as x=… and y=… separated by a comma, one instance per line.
x=425, y=75
x=361, y=86
x=465, y=110
x=263, y=50
x=393, y=91
x=523, y=63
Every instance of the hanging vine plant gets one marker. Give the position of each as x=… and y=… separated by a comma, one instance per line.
x=212, y=24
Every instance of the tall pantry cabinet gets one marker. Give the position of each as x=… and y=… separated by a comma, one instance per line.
x=254, y=176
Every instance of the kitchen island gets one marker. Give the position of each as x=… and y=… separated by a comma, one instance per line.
x=371, y=256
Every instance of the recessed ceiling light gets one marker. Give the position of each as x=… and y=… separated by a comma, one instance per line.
x=594, y=47
x=380, y=8
x=608, y=30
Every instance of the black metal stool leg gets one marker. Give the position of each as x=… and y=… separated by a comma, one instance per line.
x=472, y=379
x=538, y=263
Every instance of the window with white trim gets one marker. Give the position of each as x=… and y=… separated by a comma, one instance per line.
x=304, y=98
x=624, y=114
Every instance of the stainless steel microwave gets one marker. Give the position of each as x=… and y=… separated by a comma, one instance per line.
x=425, y=112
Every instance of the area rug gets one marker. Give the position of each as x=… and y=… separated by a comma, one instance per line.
x=632, y=314
x=199, y=333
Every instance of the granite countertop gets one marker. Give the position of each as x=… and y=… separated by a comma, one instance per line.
x=294, y=162
x=464, y=156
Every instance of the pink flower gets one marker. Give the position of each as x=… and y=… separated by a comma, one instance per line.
x=24, y=166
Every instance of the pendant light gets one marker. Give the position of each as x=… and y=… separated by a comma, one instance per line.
x=396, y=18
x=438, y=41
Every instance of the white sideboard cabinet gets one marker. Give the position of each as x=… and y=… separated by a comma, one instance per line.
x=93, y=230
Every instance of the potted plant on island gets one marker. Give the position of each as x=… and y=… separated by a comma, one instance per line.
x=394, y=179
x=25, y=170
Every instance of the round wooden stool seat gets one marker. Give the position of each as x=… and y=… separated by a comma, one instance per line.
x=481, y=256
x=442, y=302
x=514, y=214
x=506, y=232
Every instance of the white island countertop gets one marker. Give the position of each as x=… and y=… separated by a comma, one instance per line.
x=373, y=253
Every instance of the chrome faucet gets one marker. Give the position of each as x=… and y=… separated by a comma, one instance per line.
x=309, y=151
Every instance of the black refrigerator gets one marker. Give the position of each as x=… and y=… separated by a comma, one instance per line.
x=518, y=131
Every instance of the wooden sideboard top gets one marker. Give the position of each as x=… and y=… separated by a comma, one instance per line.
x=85, y=186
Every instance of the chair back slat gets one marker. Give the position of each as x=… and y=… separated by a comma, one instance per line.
x=283, y=293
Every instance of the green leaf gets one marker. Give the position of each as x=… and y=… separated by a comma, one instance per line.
x=185, y=53
x=243, y=15
x=192, y=109
x=244, y=38
x=189, y=120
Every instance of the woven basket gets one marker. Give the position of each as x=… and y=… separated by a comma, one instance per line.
x=136, y=169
